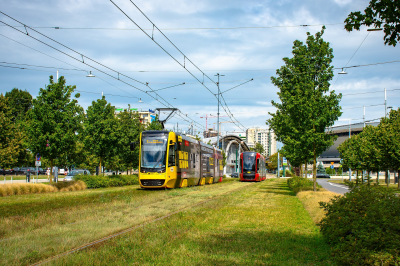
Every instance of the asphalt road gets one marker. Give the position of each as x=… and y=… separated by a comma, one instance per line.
x=337, y=188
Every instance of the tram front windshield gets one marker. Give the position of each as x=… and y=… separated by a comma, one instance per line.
x=249, y=163
x=154, y=149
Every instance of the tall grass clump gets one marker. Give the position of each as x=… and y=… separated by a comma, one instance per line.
x=297, y=184
x=74, y=186
x=99, y=181
x=362, y=226
x=21, y=189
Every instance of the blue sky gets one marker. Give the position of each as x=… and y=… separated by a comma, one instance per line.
x=240, y=54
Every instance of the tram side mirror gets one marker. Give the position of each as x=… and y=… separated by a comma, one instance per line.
x=132, y=146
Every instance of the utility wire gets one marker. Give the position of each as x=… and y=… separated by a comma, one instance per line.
x=83, y=59
x=42, y=66
x=184, y=56
x=198, y=28
x=363, y=106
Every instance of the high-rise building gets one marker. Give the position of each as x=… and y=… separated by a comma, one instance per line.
x=265, y=137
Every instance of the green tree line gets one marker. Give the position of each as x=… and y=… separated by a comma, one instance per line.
x=375, y=148
x=55, y=126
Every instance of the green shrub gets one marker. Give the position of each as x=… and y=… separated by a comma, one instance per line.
x=93, y=181
x=288, y=173
x=297, y=184
x=363, y=226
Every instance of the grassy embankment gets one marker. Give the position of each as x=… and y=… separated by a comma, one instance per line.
x=261, y=224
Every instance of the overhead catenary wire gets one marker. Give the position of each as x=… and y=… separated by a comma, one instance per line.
x=194, y=28
x=146, y=84
x=184, y=56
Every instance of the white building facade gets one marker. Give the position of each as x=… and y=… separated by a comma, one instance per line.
x=265, y=137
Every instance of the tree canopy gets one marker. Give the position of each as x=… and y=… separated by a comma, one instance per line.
x=307, y=106
x=54, y=120
x=378, y=13
x=101, y=130
x=11, y=137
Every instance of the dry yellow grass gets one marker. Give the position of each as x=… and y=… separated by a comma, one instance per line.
x=310, y=201
x=21, y=189
x=79, y=185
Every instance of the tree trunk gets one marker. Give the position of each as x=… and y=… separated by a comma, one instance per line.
x=362, y=176
x=101, y=160
x=305, y=169
x=386, y=178
x=51, y=170
x=357, y=177
x=301, y=170
x=315, y=169
x=377, y=177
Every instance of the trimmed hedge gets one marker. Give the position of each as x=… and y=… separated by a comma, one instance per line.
x=363, y=226
x=99, y=181
x=297, y=184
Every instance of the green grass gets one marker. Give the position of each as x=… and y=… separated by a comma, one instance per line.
x=37, y=226
x=261, y=224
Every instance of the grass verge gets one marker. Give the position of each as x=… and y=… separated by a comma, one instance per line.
x=261, y=224
x=310, y=201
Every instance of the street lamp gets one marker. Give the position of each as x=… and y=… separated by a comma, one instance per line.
x=342, y=72
x=140, y=100
x=90, y=75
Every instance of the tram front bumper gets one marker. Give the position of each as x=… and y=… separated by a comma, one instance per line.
x=152, y=180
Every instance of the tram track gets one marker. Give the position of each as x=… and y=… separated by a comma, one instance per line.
x=133, y=228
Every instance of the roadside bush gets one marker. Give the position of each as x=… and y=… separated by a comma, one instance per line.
x=363, y=226
x=93, y=181
x=297, y=184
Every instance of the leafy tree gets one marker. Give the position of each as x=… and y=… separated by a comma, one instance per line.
x=378, y=13
x=11, y=138
x=129, y=129
x=259, y=148
x=100, y=134
x=224, y=157
x=394, y=149
x=20, y=102
x=54, y=121
x=307, y=106
x=273, y=161
x=155, y=125
x=321, y=169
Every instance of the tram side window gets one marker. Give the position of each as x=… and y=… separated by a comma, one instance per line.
x=171, y=156
x=258, y=165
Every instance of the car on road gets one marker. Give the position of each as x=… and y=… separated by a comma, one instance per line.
x=323, y=176
x=235, y=175
x=76, y=172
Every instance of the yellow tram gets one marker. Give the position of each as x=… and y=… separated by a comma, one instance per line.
x=171, y=160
